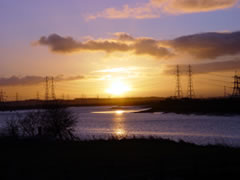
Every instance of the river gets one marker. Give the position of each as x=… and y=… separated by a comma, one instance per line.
x=104, y=122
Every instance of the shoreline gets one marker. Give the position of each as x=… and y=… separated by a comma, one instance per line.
x=214, y=106
x=190, y=113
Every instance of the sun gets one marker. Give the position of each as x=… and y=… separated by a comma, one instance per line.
x=118, y=87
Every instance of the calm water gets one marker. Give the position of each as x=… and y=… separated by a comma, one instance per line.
x=102, y=122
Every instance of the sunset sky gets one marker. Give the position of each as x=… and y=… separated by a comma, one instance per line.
x=124, y=48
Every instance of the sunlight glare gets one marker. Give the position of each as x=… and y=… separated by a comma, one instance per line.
x=118, y=88
x=120, y=132
x=119, y=112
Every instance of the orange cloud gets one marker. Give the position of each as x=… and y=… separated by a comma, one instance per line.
x=142, y=12
x=192, y=6
x=155, y=8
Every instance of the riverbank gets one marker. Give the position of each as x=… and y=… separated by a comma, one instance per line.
x=116, y=159
x=210, y=106
x=218, y=106
x=84, y=102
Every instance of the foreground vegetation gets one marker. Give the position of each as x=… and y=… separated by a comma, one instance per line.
x=42, y=145
x=53, y=121
x=115, y=159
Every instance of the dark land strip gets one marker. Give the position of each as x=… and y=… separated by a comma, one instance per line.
x=116, y=159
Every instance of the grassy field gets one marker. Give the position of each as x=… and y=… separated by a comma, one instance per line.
x=116, y=159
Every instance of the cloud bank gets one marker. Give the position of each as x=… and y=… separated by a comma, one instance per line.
x=204, y=46
x=155, y=8
x=207, y=67
x=33, y=80
x=208, y=45
x=122, y=43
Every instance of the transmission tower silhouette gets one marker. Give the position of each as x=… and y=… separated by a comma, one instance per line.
x=178, y=93
x=46, y=89
x=2, y=96
x=225, y=91
x=37, y=95
x=190, y=91
x=236, y=87
x=17, y=97
x=49, y=84
x=53, y=89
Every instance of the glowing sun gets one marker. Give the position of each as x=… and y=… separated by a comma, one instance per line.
x=118, y=88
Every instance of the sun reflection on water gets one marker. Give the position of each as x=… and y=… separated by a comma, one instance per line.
x=120, y=132
x=118, y=128
x=119, y=112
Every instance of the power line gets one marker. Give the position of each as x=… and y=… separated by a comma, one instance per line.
x=217, y=80
x=220, y=75
x=212, y=84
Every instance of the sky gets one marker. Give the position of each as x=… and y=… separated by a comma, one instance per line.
x=126, y=48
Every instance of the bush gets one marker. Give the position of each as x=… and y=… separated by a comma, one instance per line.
x=30, y=123
x=12, y=128
x=55, y=121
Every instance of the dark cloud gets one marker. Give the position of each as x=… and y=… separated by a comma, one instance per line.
x=60, y=44
x=151, y=47
x=108, y=46
x=208, y=45
x=68, y=45
x=14, y=80
x=138, y=46
x=223, y=66
x=200, y=46
x=72, y=78
x=33, y=80
x=217, y=66
x=122, y=36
